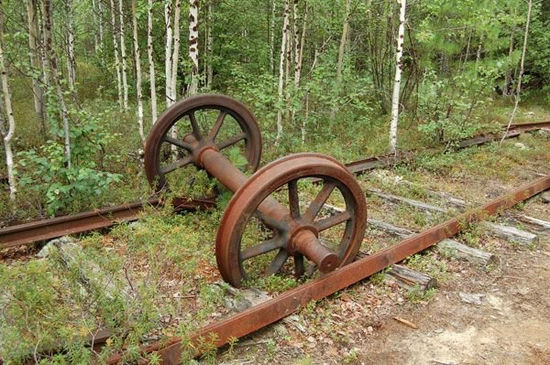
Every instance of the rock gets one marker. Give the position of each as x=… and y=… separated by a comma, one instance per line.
x=520, y=145
x=545, y=197
x=242, y=299
x=51, y=246
x=471, y=298
x=545, y=132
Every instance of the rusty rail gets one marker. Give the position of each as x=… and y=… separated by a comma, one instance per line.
x=77, y=223
x=275, y=309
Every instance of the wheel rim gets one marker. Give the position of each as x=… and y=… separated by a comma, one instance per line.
x=232, y=251
x=185, y=117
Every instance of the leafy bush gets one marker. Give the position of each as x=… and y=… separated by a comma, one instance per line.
x=65, y=189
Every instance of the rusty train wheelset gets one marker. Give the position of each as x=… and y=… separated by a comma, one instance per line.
x=277, y=212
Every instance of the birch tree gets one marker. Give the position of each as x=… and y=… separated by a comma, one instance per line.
x=168, y=51
x=194, y=45
x=152, y=80
x=300, y=49
x=284, y=37
x=521, y=70
x=7, y=133
x=138, y=71
x=123, y=54
x=175, y=52
x=54, y=77
x=117, y=59
x=397, y=79
x=71, y=60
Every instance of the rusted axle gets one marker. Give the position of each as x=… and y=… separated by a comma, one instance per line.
x=303, y=237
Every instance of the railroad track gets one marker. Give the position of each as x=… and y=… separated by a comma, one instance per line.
x=261, y=315
x=46, y=229
x=203, y=151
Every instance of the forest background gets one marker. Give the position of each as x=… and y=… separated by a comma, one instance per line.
x=83, y=81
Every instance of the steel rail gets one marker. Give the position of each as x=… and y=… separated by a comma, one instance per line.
x=97, y=219
x=87, y=221
x=259, y=316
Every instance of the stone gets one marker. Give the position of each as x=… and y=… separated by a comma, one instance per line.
x=471, y=298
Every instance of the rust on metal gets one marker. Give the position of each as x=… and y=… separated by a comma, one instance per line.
x=293, y=233
x=77, y=223
x=184, y=113
x=261, y=315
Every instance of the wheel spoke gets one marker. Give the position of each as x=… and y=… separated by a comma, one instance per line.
x=231, y=141
x=179, y=143
x=277, y=262
x=177, y=164
x=195, y=126
x=299, y=268
x=317, y=203
x=332, y=220
x=264, y=247
x=216, y=128
x=293, y=199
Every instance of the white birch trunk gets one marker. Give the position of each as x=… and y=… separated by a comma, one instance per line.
x=168, y=52
x=194, y=45
x=152, y=80
x=397, y=80
x=7, y=134
x=50, y=52
x=138, y=72
x=209, y=43
x=521, y=70
x=71, y=61
x=175, y=52
x=117, y=60
x=300, y=50
x=123, y=54
x=280, y=90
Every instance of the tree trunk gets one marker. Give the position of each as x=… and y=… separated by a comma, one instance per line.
x=100, y=23
x=96, y=21
x=507, y=90
x=209, y=43
x=138, y=71
x=272, y=37
x=71, y=61
x=194, y=45
x=284, y=37
x=50, y=52
x=397, y=80
x=7, y=133
x=521, y=70
x=123, y=54
x=152, y=80
x=117, y=60
x=343, y=42
x=176, y=52
x=34, y=54
x=168, y=52
x=300, y=50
